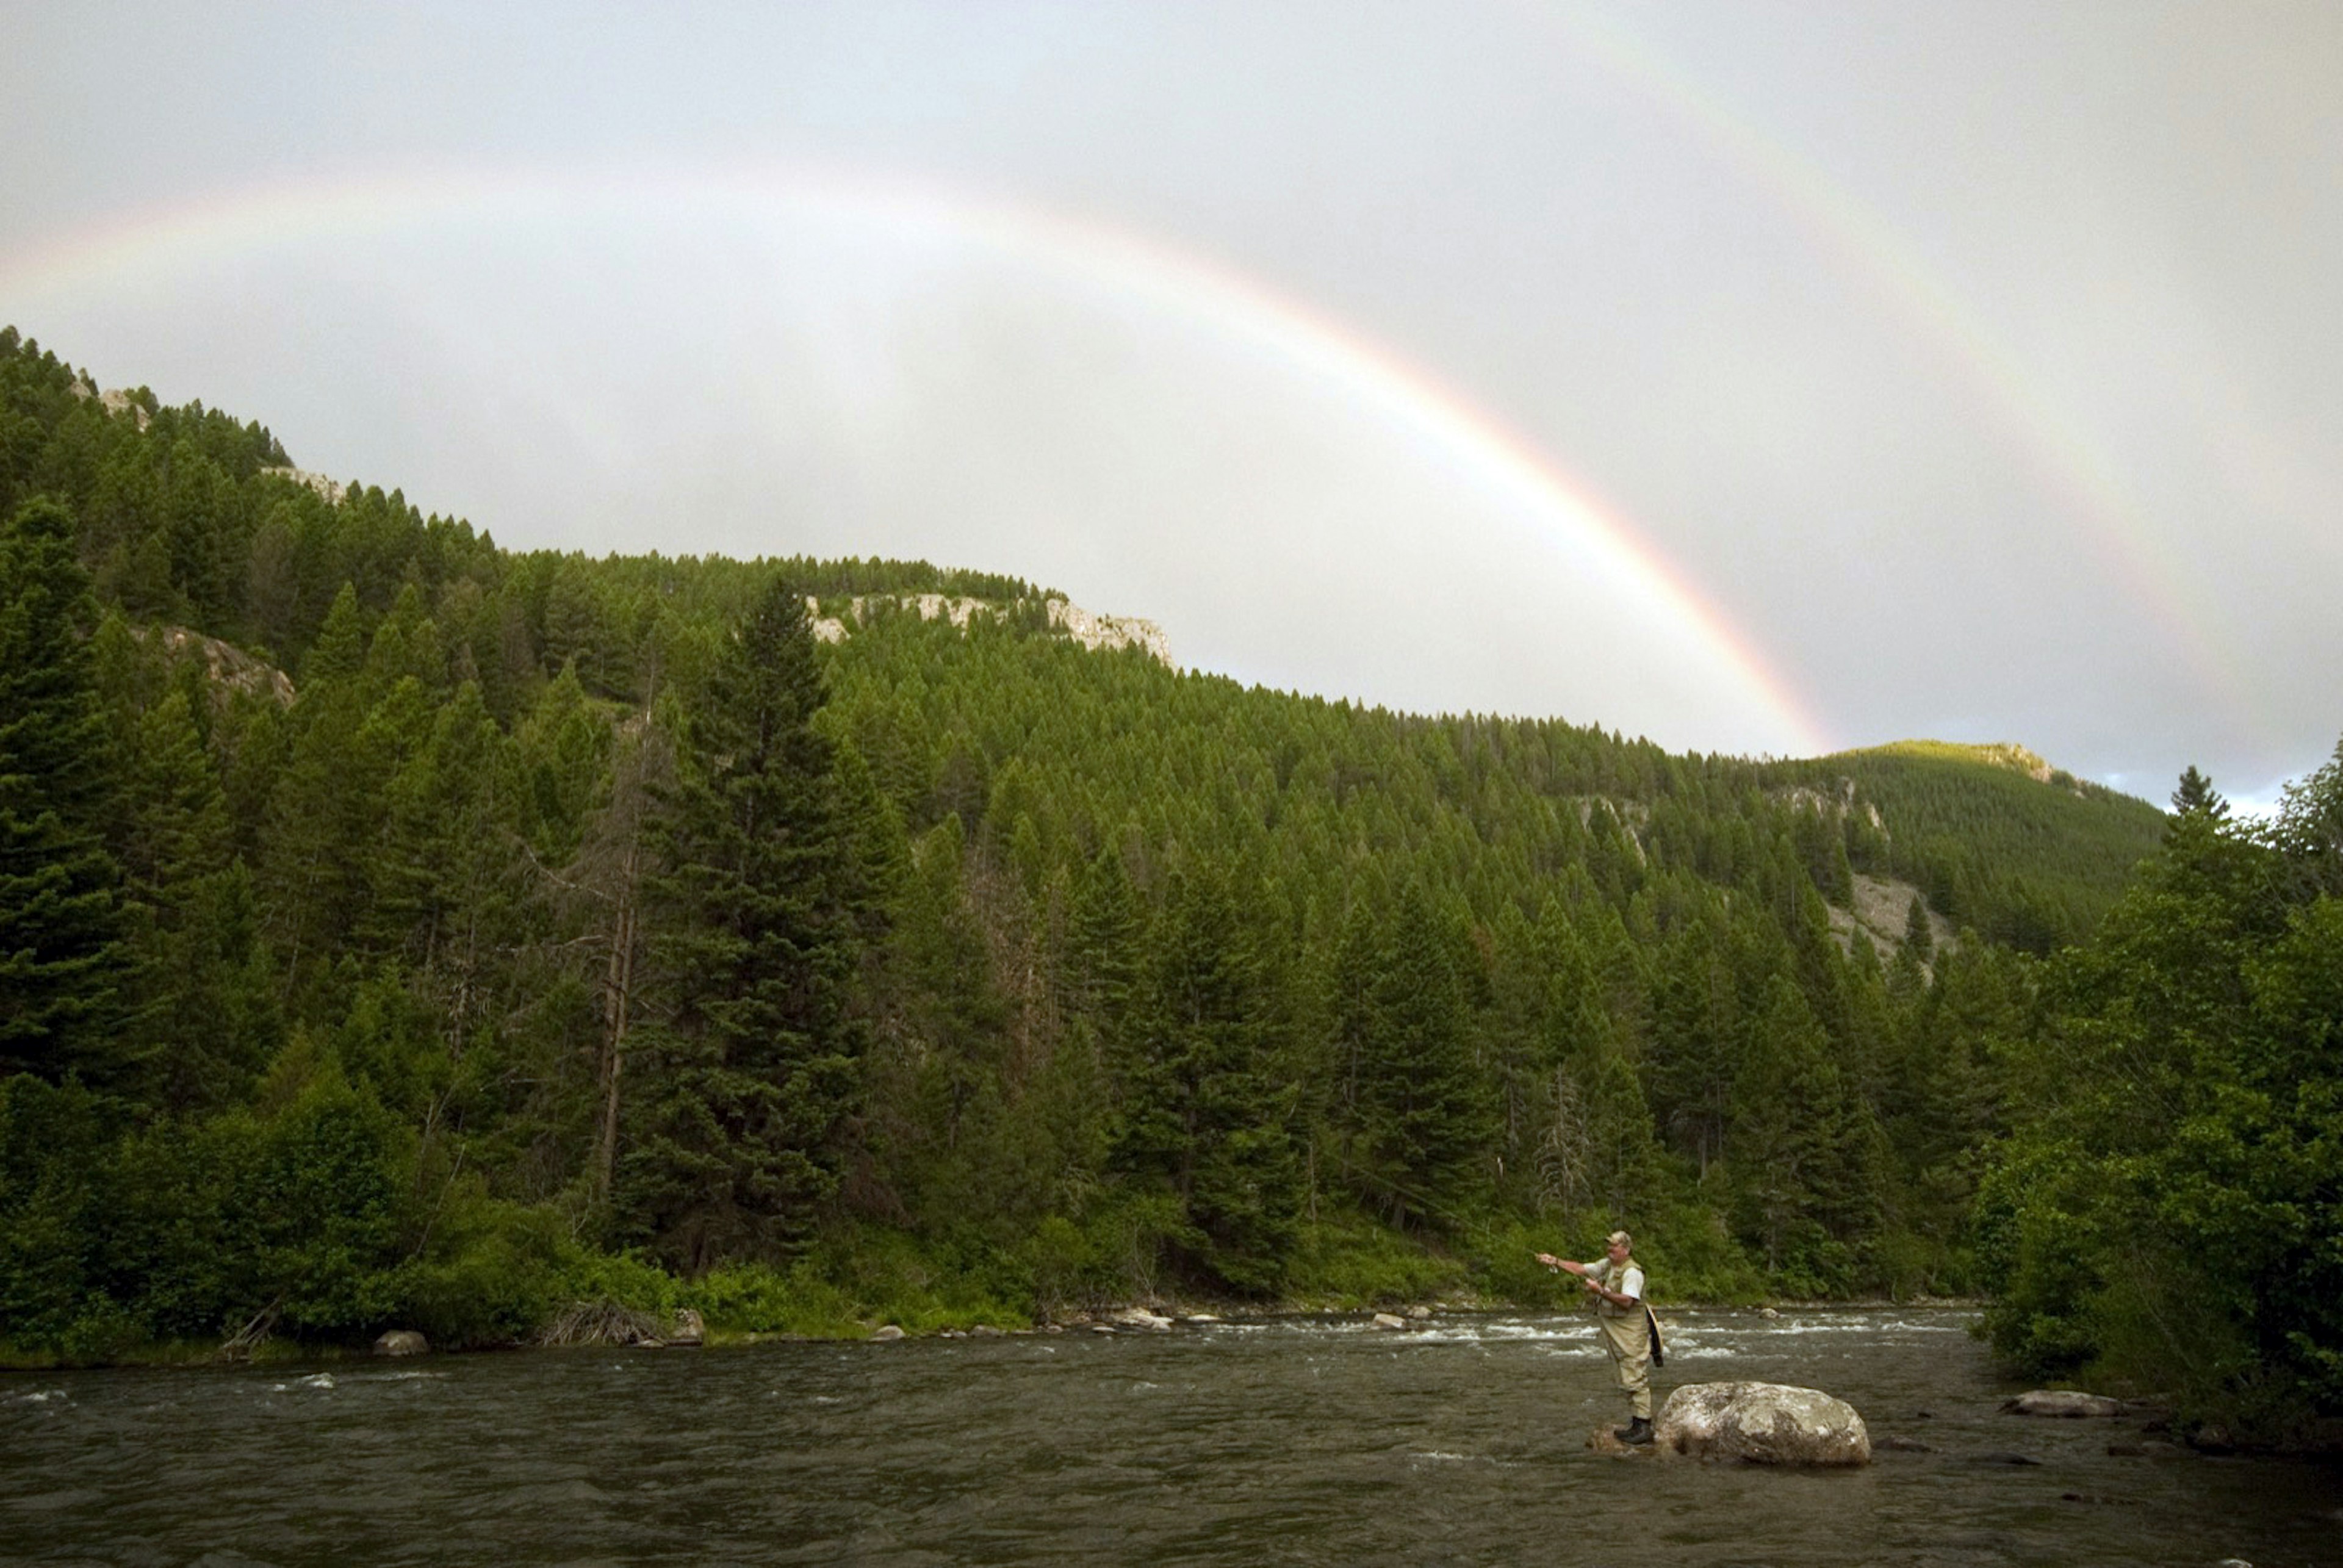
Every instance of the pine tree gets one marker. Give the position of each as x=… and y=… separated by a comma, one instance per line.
x=946, y=1027
x=1809, y=1152
x=757, y=1071
x=60, y=923
x=447, y=871
x=1423, y=1104
x=1696, y=1046
x=1919, y=936
x=200, y=1010
x=1203, y=1113
x=340, y=650
x=1621, y=1149
x=2196, y=794
x=1103, y=956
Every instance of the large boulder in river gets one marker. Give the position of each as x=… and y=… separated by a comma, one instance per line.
x=1762, y=1424
x=2063, y=1402
x=401, y=1342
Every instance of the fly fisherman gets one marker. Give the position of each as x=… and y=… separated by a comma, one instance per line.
x=1617, y=1286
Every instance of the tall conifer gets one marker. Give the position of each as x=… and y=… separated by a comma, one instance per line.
x=757, y=1055
x=59, y=888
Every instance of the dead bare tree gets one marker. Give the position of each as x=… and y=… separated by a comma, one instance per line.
x=1562, y=1151
x=607, y=876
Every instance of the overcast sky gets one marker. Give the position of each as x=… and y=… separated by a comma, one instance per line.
x=1758, y=377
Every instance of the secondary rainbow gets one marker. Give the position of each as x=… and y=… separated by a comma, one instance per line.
x=1865, y=248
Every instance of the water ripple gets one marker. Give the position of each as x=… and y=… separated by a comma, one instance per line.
x=1291, y=1441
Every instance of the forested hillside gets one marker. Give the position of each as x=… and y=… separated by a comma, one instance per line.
x=578, y=930
x=2000, y=842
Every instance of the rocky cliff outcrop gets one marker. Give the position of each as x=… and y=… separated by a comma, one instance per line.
x=228, y=667
x=332, y=489
x=1088, y=628
x=1093, y=630
x=118, y=402
x=1881, y=907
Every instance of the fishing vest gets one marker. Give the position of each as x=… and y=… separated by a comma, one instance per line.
x=1604, y=1272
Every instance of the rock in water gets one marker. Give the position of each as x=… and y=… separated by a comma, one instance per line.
x=1141, y=1318
x=1390, y=1320
x=1762, y=1424
x=401, y=1342
x=2063, y=1403
x=890, y=1332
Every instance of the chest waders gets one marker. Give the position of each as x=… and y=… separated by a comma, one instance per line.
x=1629, y=1335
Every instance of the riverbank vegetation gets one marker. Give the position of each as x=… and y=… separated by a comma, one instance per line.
x=2165, y=1215
x=401, y=930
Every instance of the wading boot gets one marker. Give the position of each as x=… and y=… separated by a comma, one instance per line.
x=1638, y=1431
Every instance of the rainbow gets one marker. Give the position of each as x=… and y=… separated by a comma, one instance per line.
x=1868, y=250
x=1193, y=290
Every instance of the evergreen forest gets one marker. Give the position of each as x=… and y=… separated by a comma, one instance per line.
x=396, y=930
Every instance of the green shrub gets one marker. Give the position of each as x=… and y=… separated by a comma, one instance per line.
x=53, y=1146
x=1114, y=1253
x=1348, y=1260
x=486, y=1272
x=754, y=1298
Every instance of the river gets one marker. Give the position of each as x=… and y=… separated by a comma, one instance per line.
x=1291, y=1440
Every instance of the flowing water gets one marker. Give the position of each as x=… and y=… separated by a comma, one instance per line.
x=1283, y=1440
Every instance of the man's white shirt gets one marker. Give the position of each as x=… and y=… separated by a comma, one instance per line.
x=1630, y=1284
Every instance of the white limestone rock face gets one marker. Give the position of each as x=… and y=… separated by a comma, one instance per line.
x=1762, y=1424
x=1088, y=628
x=330, y=489
x=1095, y=631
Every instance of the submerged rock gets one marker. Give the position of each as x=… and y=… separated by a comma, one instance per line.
x=401, y=1342
x=2062, y=1401
x=1762, y=1424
